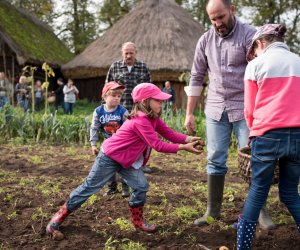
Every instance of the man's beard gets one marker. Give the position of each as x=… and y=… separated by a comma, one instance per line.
x=226, y=28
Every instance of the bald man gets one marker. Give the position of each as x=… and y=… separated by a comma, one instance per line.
x=129, y=71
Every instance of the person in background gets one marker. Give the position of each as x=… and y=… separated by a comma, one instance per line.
x=108, y=118
x=221, y=52
x=170, y=103
x=5, y=90
x=130, y=72
x=38, y=94
x=59, y=95
x=272, y=111
x=126, y=152
x=70, y=92
x=22, y=92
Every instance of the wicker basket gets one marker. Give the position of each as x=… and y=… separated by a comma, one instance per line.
x=244, y=155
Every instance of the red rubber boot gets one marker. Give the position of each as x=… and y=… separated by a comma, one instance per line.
x=138, y=220
x=57, y=219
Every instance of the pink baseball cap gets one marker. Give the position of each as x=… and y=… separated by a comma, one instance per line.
x=267, y=29
x=144, y=91
x=111, y=85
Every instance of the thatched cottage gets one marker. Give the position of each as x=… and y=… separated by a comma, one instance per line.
x=25, y=40
x=165, y=35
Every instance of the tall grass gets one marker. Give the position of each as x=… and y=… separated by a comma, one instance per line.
x=175, y=120
x=36, y=127
x=52, y=127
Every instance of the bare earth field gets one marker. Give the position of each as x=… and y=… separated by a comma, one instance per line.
x=36, y=180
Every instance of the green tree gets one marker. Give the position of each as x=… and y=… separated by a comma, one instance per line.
x=43, y=9
x=112, y=10
x=275, y=11
x=79, y=26
x=197, y=9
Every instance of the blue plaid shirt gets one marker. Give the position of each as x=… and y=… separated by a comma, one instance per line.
x=119, y=72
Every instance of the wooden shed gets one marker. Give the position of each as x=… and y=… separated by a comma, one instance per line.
x=165, y=35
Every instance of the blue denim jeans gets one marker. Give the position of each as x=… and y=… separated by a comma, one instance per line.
x=102, y=171
x=23, y=102
x=68, y=108
x=282, y=144
x=3, y=101
x=218, y=137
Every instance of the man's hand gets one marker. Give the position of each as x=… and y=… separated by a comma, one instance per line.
x=95, y=150
x=189, y=124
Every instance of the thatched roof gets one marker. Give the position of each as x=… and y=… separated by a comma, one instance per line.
x=165, y=35
x=31, y=40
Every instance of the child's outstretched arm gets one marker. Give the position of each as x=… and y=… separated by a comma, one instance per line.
x=190, y=147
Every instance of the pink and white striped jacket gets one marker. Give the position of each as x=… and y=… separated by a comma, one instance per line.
x=272, y=90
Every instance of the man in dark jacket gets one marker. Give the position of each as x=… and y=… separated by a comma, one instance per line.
x=59, y=94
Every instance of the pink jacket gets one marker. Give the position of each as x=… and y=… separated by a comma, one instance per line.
x=136, y=136
x=272, y=88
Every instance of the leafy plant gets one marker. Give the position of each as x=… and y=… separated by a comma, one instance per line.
x=12, y=215
x=48, y=73
x=91, y=200
x=39, y=214
x=185, y=213
x=108, y=244
x=185, y=77
x=123, y=224
x=131, y=245
x=47, y=188
x=36, y=159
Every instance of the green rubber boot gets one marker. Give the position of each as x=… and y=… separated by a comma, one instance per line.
x=214, y=199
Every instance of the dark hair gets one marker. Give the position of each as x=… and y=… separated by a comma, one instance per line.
x=143, y=106
x=227, y=3
x=60, y=79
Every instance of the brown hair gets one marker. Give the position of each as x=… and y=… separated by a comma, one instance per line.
x=143, y=106
x=279, y=37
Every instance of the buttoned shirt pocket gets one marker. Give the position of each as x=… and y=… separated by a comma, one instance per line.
x=265, y=149
x=235, y=55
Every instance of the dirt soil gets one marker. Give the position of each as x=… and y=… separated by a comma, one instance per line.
x=36, y=180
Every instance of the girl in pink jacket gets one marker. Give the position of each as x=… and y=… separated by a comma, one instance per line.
x=126, y=152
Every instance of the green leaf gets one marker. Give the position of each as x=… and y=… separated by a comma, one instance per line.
x=210, y=220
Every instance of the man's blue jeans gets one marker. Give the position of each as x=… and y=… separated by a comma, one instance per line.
x=103, y=169
x=282, y=144
x=218, y=137
x=3, y=101
x=23, y=102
